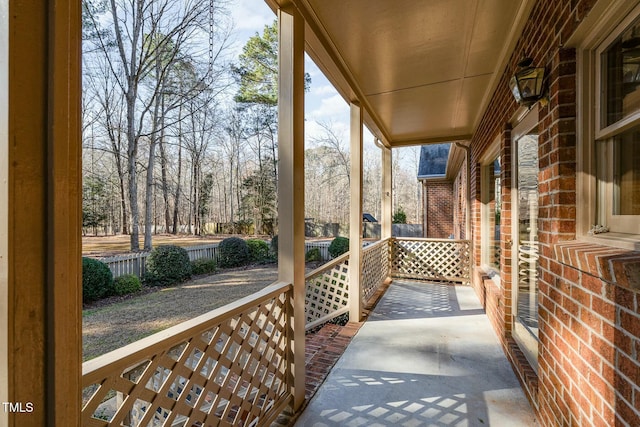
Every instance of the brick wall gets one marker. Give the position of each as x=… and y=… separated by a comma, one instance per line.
x=589, y=326
x=439, y=209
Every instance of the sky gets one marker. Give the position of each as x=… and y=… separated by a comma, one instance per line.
x=322, y=102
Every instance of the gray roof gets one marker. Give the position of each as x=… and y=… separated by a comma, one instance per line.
x=433, y=160
x=367, y=217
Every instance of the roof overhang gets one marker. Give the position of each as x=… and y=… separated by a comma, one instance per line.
x=424, y=72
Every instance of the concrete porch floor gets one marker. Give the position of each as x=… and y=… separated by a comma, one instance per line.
x=426, y=356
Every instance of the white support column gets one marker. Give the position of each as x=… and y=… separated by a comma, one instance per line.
x=291, y=181
x=387, y=188
x=355, y=215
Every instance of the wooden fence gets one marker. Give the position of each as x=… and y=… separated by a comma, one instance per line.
x=135, y=263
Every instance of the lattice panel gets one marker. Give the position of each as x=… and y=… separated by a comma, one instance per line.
x=327, y=292
x=375, y=267
x=431, y=259
x=232, y=373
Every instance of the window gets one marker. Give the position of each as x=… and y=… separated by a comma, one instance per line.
x=617, y=134
x=491, y=209
x=524, y=229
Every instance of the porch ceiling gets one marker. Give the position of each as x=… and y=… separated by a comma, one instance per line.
x=423, y=70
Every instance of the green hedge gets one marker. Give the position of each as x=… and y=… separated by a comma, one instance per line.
x=97, y=280
x=203, y=266
x=233, y=252
x=313, y=255
x=258, y=250
x=338, y=246
x=127, y=284
x=167, y=265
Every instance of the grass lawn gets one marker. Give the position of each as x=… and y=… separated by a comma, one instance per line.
x=108, y=327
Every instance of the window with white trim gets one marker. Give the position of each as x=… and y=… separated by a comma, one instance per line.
x=617, y=133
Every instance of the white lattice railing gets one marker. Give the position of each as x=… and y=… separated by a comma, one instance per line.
x=327, y=291
x=431, y=259
x=327, y=288
x=228, y=367
x=376, y=267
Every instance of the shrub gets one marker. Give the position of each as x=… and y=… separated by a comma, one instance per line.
x=167, y=265
x=97, y=280
x=233, y=252
x=203, y=266
x=258, y=250
x=338, y=246
x=399, y=216
x=127, y=284
x=313, y=255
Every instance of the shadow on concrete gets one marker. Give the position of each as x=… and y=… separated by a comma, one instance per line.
x=396, y=399
x=427, y=356
x=410, y=301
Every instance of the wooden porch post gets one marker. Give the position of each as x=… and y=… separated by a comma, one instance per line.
x=40, y=213
x=387, y=188
x=4, y=210
x=291, y=180
x=355, y=216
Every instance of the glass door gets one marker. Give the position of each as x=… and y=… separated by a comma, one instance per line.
x=525, y=240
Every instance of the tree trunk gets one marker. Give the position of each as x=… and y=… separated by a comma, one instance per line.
x=165, y=186
x=176, y=199
x=149, y=220
x=132, y=154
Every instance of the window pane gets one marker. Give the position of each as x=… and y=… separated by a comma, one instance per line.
x=626, y=173
x=527, y=179
x=621, y=76
x=494, y=214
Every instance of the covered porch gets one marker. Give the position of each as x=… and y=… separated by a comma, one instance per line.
x=414, y=72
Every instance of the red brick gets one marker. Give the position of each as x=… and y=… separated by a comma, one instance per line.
x=581, y=297
x=629, y=368
x=627, y=414
x=602, y=347
x=592, y=283
x=604, y=308
x=630, y=322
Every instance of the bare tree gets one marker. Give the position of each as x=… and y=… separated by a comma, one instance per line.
x=145, y=38
x=109, y=103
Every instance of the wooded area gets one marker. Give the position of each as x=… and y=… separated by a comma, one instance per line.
x=180, y=134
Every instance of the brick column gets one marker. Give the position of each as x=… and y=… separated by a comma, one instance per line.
x=556, y=222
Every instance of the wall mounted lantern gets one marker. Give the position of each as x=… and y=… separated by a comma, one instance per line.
x=527, y=84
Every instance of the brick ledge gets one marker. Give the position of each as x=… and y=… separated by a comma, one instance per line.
x=613, y=265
